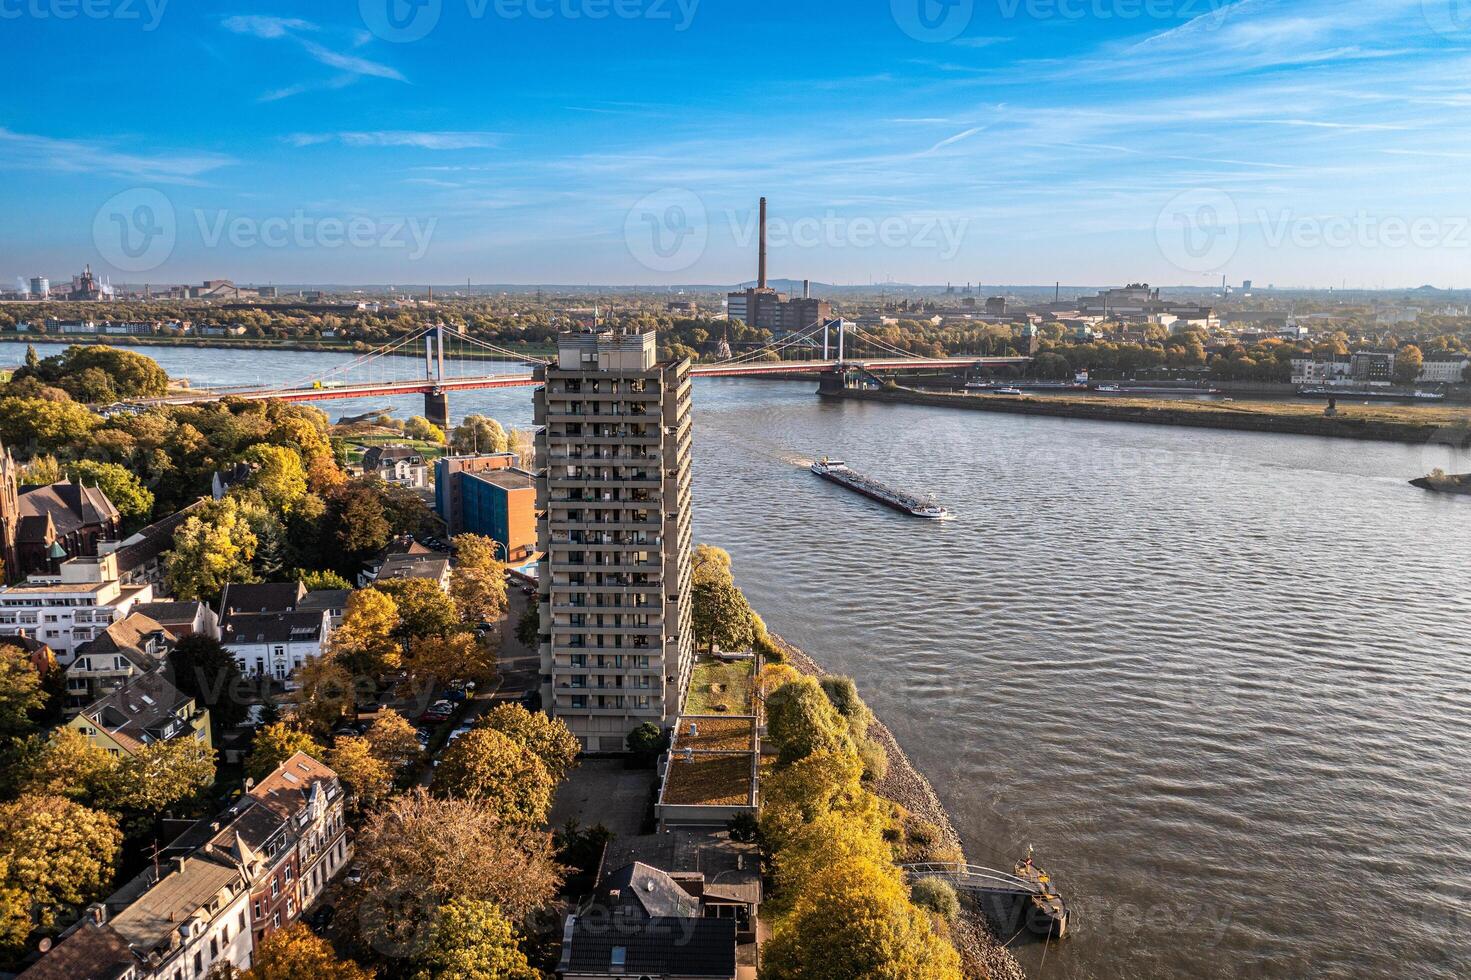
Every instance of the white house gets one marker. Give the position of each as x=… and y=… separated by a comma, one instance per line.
x=1444, y=368
x=274, y=644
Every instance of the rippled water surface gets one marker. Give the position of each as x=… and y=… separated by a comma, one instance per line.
x=1220, y=680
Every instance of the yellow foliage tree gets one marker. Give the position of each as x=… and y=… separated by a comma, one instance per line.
x=485, y=766
x=365, y=641
x=296, y=953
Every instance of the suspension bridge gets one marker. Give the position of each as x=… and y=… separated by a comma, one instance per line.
x=437, y=360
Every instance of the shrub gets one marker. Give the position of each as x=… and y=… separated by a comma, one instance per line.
x=875, y=760
x=936, y=896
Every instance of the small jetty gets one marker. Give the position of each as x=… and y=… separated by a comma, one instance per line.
x=1026, y=897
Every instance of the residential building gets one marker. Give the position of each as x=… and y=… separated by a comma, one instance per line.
x=140, y=554
x=501, y=504
x=1445, y=368
x=143, y=711
x=418, y=563
x=670, y=948
x=614, y=524
x=275, y=644
x=1322, y=369
x=182, y=618
x=401, y=466
x=183, y=919
x=261, y=597
x=1376, y=367
x=449, y=473
x=333, y=601
x=122, y=653
x=69, y=608
x=311, y=794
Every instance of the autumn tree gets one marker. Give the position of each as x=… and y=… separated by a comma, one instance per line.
x=274, y=744
x=478, y=581
x=368, y=779
x=39, y=425
x=297, y=953
x=472, y=940
x=853, y=918
x=366, y=641
x=710, y=565
x=420, y=852
x=1408, y=361
x=392, y=739
x=68, y=764
x=462, y=656
x=843, y=694
x=420, y=428
x=21, y=694
x=320, y=580
x=722, y=617
x=213, y=546
x=502, y=775
x=328, y=691
x=57, y=852
x=801, y=720
x=547, y=738
x=423, y=608
x=160, y=775
x=278, y=476
x=478, y=434
x=15, y=915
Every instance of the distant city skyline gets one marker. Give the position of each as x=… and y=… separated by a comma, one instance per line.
x=1307, y=144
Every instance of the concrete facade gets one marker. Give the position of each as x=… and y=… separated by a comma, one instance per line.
x=614, y=503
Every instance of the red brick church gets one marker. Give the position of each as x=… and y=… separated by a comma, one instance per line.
x=41, y=527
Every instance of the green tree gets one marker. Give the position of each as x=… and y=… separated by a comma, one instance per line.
x=318, y=580
x=722, y=617
x=204, y=669
x=160, y=775
x=57, y=852
x=21, y=695
x=213, y=546
x=133, y=500
x=937, y=896
x=471, y=940
x=547, y=738
x=801, y=720
x=33, y=360
x=423, y=608
x=359, y=524
x=420, y=428
x=277, y=475
x=274, y=744
x=490, y=768
x=39, y=425
x=710, y=565
x=528, y=627
x=297, y=953
x=843, y=694
x=478, y=434
x=647, y=741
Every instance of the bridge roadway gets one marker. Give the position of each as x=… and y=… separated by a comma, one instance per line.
x=329, y=391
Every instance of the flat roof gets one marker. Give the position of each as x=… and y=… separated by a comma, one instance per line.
x=711, y=779
x=508, y=479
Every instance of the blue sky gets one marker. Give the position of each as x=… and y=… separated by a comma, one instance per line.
x=626, y=141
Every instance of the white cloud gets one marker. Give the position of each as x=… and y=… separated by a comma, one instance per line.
x=25, y=150
x=267, y=27
x=423, y=140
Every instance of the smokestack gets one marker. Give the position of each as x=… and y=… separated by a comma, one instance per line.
x=761, y=268
x=806, y=288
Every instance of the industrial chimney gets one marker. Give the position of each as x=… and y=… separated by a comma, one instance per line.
x=761, y=268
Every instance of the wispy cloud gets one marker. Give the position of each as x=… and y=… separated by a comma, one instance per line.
x=443, y=140
x=267, y=27
x=295, y=29
x=29, y=151
x=981, y=42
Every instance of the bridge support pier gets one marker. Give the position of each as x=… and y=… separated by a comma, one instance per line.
x=436, y=408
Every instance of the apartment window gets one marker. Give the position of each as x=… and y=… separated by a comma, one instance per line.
x=275, y=887
x=242, y=920
x=275, y=920
x=214, y=946
x=198, y=962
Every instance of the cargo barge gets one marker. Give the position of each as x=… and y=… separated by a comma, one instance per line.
x=838, y=472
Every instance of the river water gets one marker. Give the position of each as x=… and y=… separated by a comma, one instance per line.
x=1221, y=680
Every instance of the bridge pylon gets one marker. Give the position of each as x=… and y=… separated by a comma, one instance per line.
x=436, y=399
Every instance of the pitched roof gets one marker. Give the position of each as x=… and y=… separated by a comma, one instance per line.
x=651, y=891
x=378, y=456
x=71, y=506
x=137, y=714
x=656, y=947
x=91, y=952
x=171, y=614
x=148, y=922
x=325, y=599
x=272, y=627
x=261, y=597
x=291, y=784
x=433, y=565
x=129, y=636
x=152, y=541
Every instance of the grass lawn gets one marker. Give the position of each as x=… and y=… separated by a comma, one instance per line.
x=717, y=688
x=709, y=780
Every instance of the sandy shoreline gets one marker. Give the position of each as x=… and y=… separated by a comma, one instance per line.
x=983, y=952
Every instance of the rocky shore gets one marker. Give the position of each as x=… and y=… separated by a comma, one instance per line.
x=983, y=953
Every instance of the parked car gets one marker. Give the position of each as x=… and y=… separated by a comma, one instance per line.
x=321, y=917
x=355, y=875
x=438, y=711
